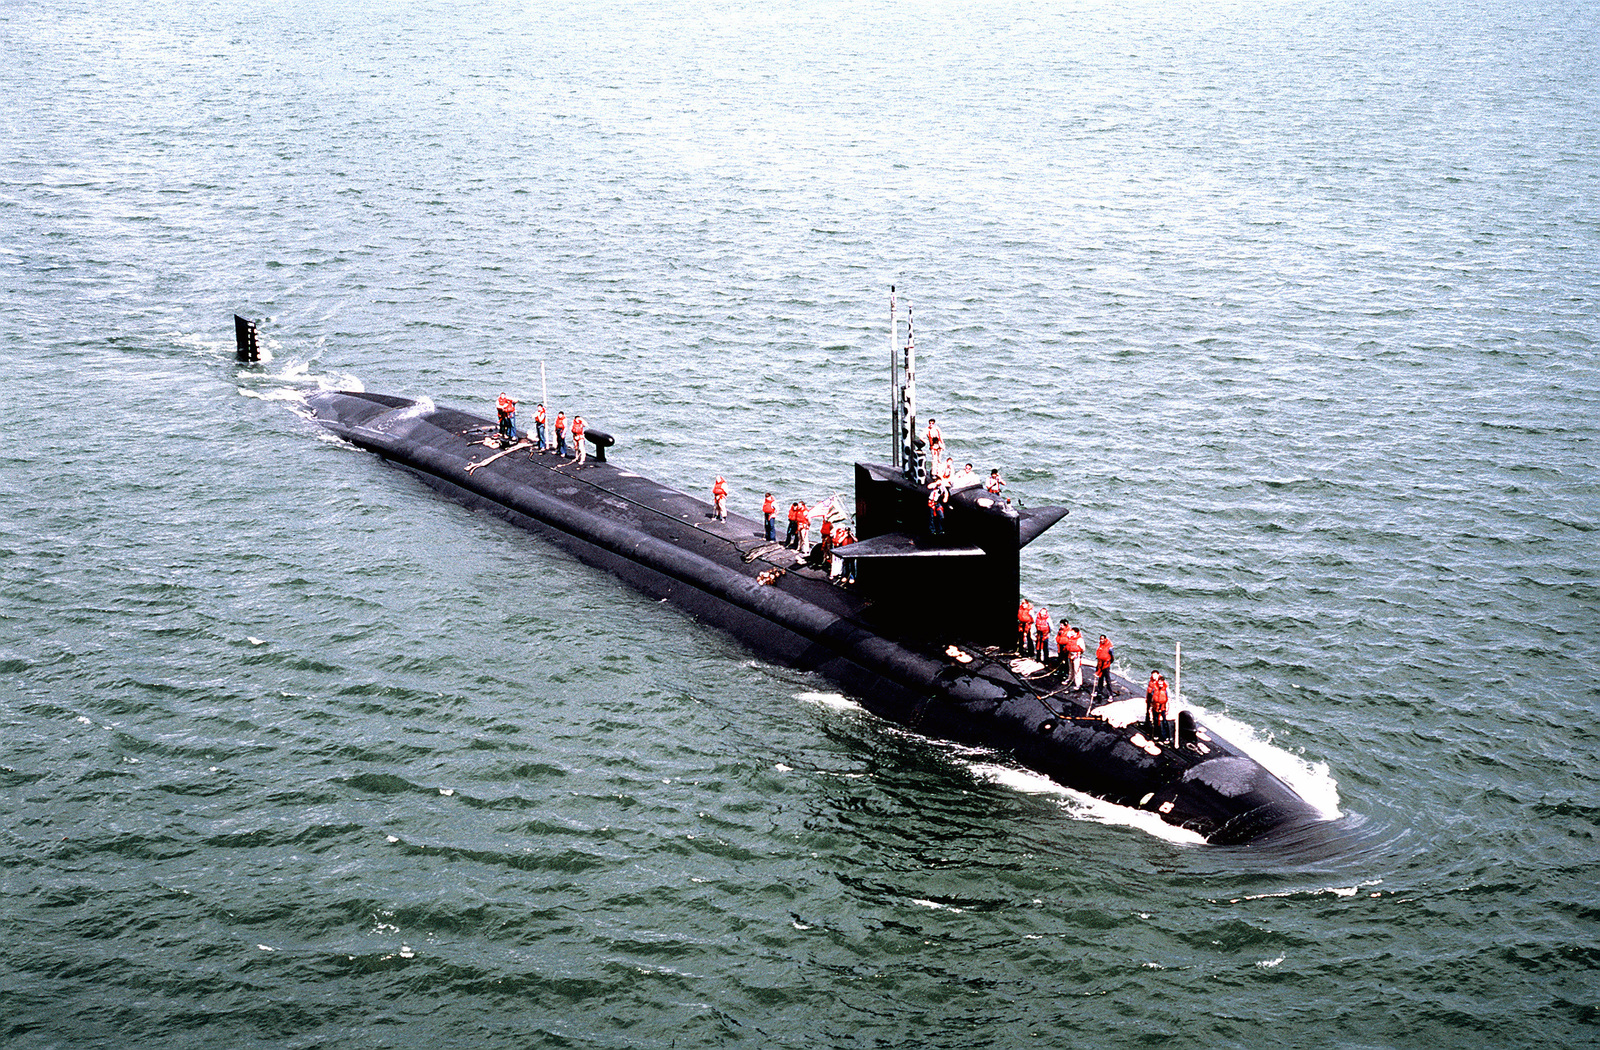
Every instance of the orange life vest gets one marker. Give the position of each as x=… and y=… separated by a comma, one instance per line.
x=577, y=429
x=1102, y=656
x=538, y=417
x=769, y=508
x=1024, y=614
x=719, y=489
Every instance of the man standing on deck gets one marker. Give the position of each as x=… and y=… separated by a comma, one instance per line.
x=538, y=423
x=506, y=409
x=1155, y=705
x=1041, y=633
x=1069, y=642
x=580, y=451
x=1024, y=627
x=843, y=538
x=792, y=538
x=719, y=499
x=561, y=433
x=769, y=512
x=1103, y=658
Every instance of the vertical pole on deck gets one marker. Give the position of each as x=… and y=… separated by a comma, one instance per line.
x=894, y=382
x=1177, y=687
x=544, y=395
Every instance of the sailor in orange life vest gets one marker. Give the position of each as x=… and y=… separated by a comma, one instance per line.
x=803, y=540
x=1103, y=657
x=1041, y=633
x=937, y=494
x=791, y=539
x=1069, y=642
x=580, y=451
x=538, y=423
x=846, y=567
x=719, y=499
x=822, y=554
x=1155, y=706
x=561, y=433
x=506, y=409
x=769, y=511
x=1025, y=627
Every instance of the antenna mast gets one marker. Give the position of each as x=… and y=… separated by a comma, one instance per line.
x=908, y=394
x=894, y=382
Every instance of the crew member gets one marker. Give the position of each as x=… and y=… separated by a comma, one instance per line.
x=1025, y=627
x=791, y=539
x=506, y=409
x=1041, y=633
x=1155, y=705
x=965, y=478
x=580, y=451
x=561, y=433
x=803, y=540
x=1069, y=642
x=719, y=499
x=769, y=512
x=538, y=422
x=842, y=537
x=1103, y=658
x=936, y=498
x=935, y=440
x=995, y=483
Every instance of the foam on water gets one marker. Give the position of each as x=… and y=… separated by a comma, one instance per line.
x=1311, y=779
x=980, y=762
x=1080, y=806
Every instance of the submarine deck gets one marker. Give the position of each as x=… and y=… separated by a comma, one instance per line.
x=689, y=524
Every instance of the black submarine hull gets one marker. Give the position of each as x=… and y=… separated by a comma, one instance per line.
x=666, y=544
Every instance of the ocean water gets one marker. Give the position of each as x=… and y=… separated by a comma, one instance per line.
x=1294, y=304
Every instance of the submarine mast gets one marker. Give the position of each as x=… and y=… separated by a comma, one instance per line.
x=909, y=460
x=894, y=382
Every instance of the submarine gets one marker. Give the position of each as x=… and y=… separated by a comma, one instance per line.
x=921, y=629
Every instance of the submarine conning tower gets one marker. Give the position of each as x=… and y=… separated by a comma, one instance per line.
x=962, y=584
